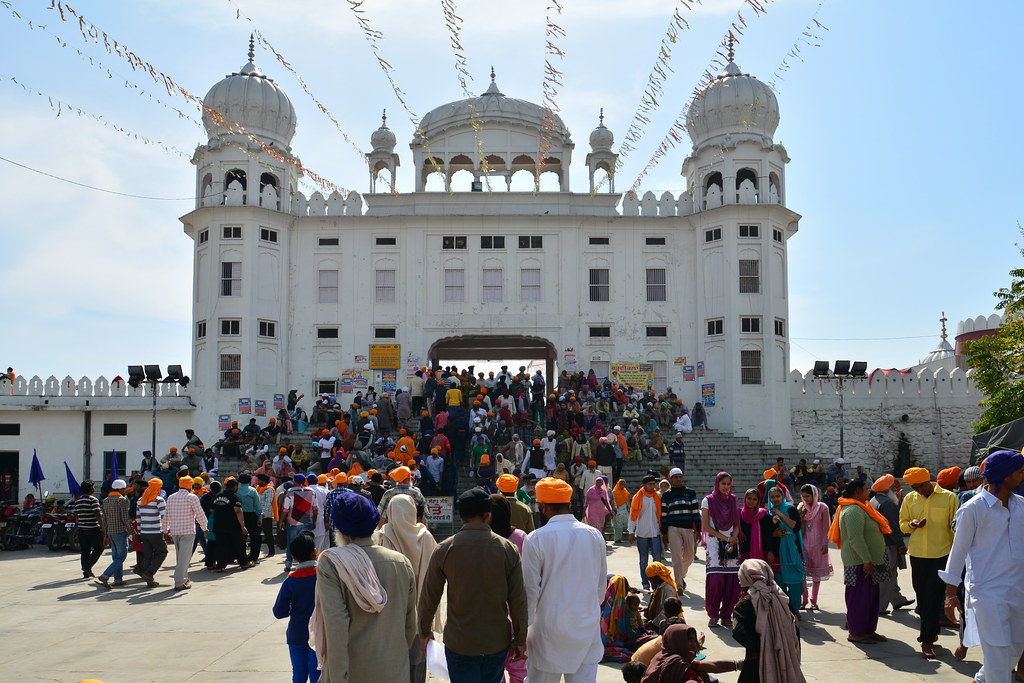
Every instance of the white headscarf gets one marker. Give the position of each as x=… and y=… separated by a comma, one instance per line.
x=402, y=534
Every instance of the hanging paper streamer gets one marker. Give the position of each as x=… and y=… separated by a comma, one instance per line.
x=374, y=38
x=655, y=87
x=57, y=105
x=453, y=22
x=552, y=81
x=810, y=36
x=92, y=33
x=678, y=128
x=262, y=40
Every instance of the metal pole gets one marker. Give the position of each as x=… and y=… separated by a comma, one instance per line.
x=842, y=422
x=152, y=388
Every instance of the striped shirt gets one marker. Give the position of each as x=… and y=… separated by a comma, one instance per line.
x=87, y=512
x=680, y=507
x=115, y=515
x=152, y=518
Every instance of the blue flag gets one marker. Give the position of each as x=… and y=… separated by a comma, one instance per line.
x=73, y=486
x=35, y=475
x=113, y=466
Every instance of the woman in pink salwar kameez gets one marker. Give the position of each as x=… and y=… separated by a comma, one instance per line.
x=817, y=565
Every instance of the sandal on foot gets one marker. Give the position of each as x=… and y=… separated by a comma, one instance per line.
x=866, y=640
x=879, y=638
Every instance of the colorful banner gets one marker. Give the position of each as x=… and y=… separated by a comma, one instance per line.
x=261, y=407
x=570, y=359
x=385, y=356
x=245, y=406
x=680, y=361
x=360, y=360
x=223, y=422
x=354, y=379
x=412, y=364
x=636, y=375
x=700, y=368
x=440, y=509
x=688, y=374
x=707, y=394
x=388, y=380
x=279, y=401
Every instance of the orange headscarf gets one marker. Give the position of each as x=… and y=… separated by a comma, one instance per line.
x=620, y=493
x=260, y=489
x=833, y=532
x=152, y=491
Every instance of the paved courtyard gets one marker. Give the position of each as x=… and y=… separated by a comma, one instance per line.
x=58, y=626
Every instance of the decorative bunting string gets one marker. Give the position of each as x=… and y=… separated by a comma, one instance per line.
x=810, y=36
x=262, y=40
x=373, y=38
x=453, y=22
x=552, y=82
x=92, y=33
x=655, y=87
x=111, y=73
x=58, y=106
x=678, y=130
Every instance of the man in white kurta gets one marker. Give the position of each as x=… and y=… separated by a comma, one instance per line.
x=988, y=541
x=565, y=570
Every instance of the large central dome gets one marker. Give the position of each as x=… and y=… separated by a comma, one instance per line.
x=489, y=108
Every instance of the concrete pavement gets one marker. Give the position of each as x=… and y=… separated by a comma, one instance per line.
x=60, y=627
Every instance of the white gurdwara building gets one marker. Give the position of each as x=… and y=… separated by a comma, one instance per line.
x=293, y=291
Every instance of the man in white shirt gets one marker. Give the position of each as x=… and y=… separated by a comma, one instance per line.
x=644, y=525
x=548, y=443
x=988, y=541
x=564, y=607
x=183, y=513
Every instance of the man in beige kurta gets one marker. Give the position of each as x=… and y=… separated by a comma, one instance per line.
x=365, y=647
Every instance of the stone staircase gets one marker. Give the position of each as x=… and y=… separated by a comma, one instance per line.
x=711, y=452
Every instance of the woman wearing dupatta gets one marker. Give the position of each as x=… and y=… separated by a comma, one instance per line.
x=817, y=520
x=720, y=516
x=756, y=528
x=622, y=499
x=596, y=507
x=789, y=569
x=617, y=634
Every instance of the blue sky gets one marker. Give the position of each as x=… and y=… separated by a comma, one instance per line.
x=901, y=127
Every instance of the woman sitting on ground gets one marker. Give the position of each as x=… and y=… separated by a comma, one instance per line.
x=675, y=663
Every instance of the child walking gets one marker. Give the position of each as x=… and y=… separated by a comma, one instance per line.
x=295, y=601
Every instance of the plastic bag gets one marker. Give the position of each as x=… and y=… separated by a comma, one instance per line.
x=437, y=665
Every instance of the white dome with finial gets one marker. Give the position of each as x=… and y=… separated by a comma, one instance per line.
x=601, y=139
x=253, y=101
x=734, y=106
x=382, y=139
x=494, y=107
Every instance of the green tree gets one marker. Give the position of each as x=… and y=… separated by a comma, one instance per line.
x=998, y=361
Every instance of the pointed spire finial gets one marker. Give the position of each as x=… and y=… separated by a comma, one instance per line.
x=252, y=48
x=732, y=52
x=943, y=321
x=601, y=116
x=384, y=118
x=492, y=73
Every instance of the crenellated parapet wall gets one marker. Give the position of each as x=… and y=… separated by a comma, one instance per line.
x=85, y=387
x=687, y=203
x=931, y=412
x=335, y=205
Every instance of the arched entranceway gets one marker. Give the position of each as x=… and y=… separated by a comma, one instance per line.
x=493, y=348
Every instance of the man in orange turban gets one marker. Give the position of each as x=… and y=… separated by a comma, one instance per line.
x=565, y=607
x=522, y=516
x=948, y=477
x=885, y=500
x=151, y=516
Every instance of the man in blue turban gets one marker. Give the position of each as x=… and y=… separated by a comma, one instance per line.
x=988, y=533
x=365, y=618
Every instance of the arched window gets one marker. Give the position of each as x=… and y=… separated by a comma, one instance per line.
x=774, y=188
x=746, y=174
x=713, y=179
x=461, y=181
x=206, y=190
x=233, y=175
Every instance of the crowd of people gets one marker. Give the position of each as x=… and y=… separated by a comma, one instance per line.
x=535, y=467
